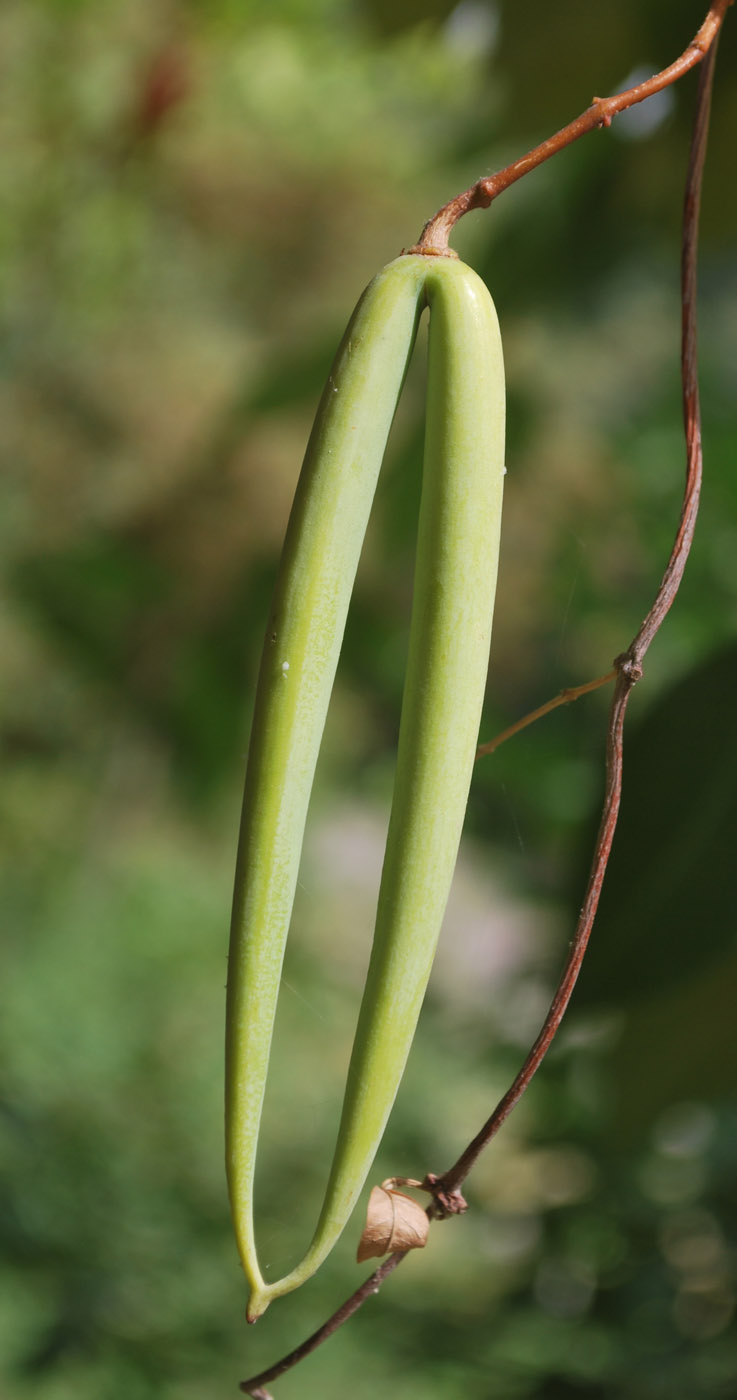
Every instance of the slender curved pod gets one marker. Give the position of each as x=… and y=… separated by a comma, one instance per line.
x=455, y=580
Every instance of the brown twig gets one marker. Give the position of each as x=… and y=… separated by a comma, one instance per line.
x=628, y=666
x=566, y=697
x=433, y=240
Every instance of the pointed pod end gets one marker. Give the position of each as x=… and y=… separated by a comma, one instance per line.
x=258, y=1302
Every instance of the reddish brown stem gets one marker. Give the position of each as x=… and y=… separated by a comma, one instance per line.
x=433, y=240
x=445, y=1189
x=628, y=674
x=629, y=665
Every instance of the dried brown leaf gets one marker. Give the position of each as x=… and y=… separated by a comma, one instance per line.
x=393, y=1221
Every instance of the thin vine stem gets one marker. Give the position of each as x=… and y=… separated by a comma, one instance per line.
x=628, y=667
x=566, y=697
x=433, y=240
x=629, y=664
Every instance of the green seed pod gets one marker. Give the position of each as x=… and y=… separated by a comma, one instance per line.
x=455, y=581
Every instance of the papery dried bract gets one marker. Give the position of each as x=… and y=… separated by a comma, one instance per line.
x=393, y=1221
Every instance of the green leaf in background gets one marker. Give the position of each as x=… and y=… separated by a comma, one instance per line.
x=678, y=1047
x=667, y=911
x=129, y=624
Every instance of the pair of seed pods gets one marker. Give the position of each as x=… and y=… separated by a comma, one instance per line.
x=454, y=586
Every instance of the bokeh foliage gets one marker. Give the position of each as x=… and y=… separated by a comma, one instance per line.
x=191, y=198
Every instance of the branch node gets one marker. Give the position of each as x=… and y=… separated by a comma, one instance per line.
x=445, y=1202
x=629, y=667
x=605, y=119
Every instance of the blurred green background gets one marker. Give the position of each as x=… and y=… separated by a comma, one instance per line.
x=192, y=196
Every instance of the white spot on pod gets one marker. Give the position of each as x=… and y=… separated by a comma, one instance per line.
x=284, y=667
